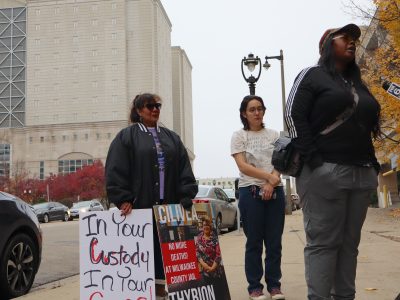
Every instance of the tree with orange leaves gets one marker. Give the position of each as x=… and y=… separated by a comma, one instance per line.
x=381, y=61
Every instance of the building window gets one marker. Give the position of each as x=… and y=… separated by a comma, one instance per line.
x=56, y=41
x=114, y=99
x=97, y=136
x=70, y=166
x=113, y=36
x=95, y=22
x=95, y=84
x=113, y=5
x=75, y=25
x=56, y=56
x=94, y=7
x=75, y=9
x=37, y=42
x=64, y=138
x=53, y=138
x=94, y=53
x=114, y=115
x=75, y=39
x=56, y=25
x=55, y=118
x=30, y=140
x=114, y=67
x=75, y=116
x=56, y=10
x=41, y=170
x=109, y=135
x=114, y=51
x=75, y=136
x=5, y=153
x=95, y=68
x=113, y=21
x=36, y=103
x=95, y=37
x=75, y=69
x=86, y=136
x=37, y=27
x=37, y=12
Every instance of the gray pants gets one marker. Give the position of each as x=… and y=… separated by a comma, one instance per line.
x=335, y=200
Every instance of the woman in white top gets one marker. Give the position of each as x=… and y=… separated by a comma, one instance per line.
x=261, y=199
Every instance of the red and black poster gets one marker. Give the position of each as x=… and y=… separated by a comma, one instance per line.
x=191, y=254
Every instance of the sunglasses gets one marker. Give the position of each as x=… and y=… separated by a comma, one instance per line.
x=151, y=106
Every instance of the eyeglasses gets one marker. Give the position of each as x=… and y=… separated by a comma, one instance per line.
x=151, y=106
x=253, y=110
x=347, y=38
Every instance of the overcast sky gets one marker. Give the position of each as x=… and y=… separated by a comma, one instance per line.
x=217, y=34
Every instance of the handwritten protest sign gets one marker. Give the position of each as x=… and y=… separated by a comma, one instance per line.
x=116, y=255
x=179, y=233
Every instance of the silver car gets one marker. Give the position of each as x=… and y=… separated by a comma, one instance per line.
x=84, y=206
x=223, y=207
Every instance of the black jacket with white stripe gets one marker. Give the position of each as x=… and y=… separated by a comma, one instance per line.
x=132, y=170
x=314, y=103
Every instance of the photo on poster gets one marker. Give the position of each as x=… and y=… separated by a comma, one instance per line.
x=116, y=255
x=191, y=253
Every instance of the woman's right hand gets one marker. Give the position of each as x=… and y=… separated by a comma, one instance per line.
x=274, y=180
x=126, y=208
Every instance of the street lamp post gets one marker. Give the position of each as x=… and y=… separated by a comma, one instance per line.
x=251, y=66
x=267, y=65
x=251, y=62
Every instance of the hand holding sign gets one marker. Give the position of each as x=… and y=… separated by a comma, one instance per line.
x=126, y=208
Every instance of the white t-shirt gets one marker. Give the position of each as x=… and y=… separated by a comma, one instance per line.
x=258, y=148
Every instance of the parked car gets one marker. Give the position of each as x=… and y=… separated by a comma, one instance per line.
x=223, y=207
x=20, y=246
x=84, y=206
x=51, y=211
x=231, y=194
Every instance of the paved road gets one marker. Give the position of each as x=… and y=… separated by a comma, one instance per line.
x=60, y=255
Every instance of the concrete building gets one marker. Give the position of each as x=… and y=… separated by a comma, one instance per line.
x=68, y=72
x=221, y=182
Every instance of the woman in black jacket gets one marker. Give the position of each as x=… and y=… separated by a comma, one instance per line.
x=148, y=165
x=332, y=117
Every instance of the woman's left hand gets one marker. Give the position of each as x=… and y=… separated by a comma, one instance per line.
x=267, y=191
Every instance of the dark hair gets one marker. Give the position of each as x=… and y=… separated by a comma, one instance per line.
x=352, y=72
x=243, y=107
x=139, y=102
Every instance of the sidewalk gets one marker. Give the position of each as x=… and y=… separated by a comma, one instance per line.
x=378, y=275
